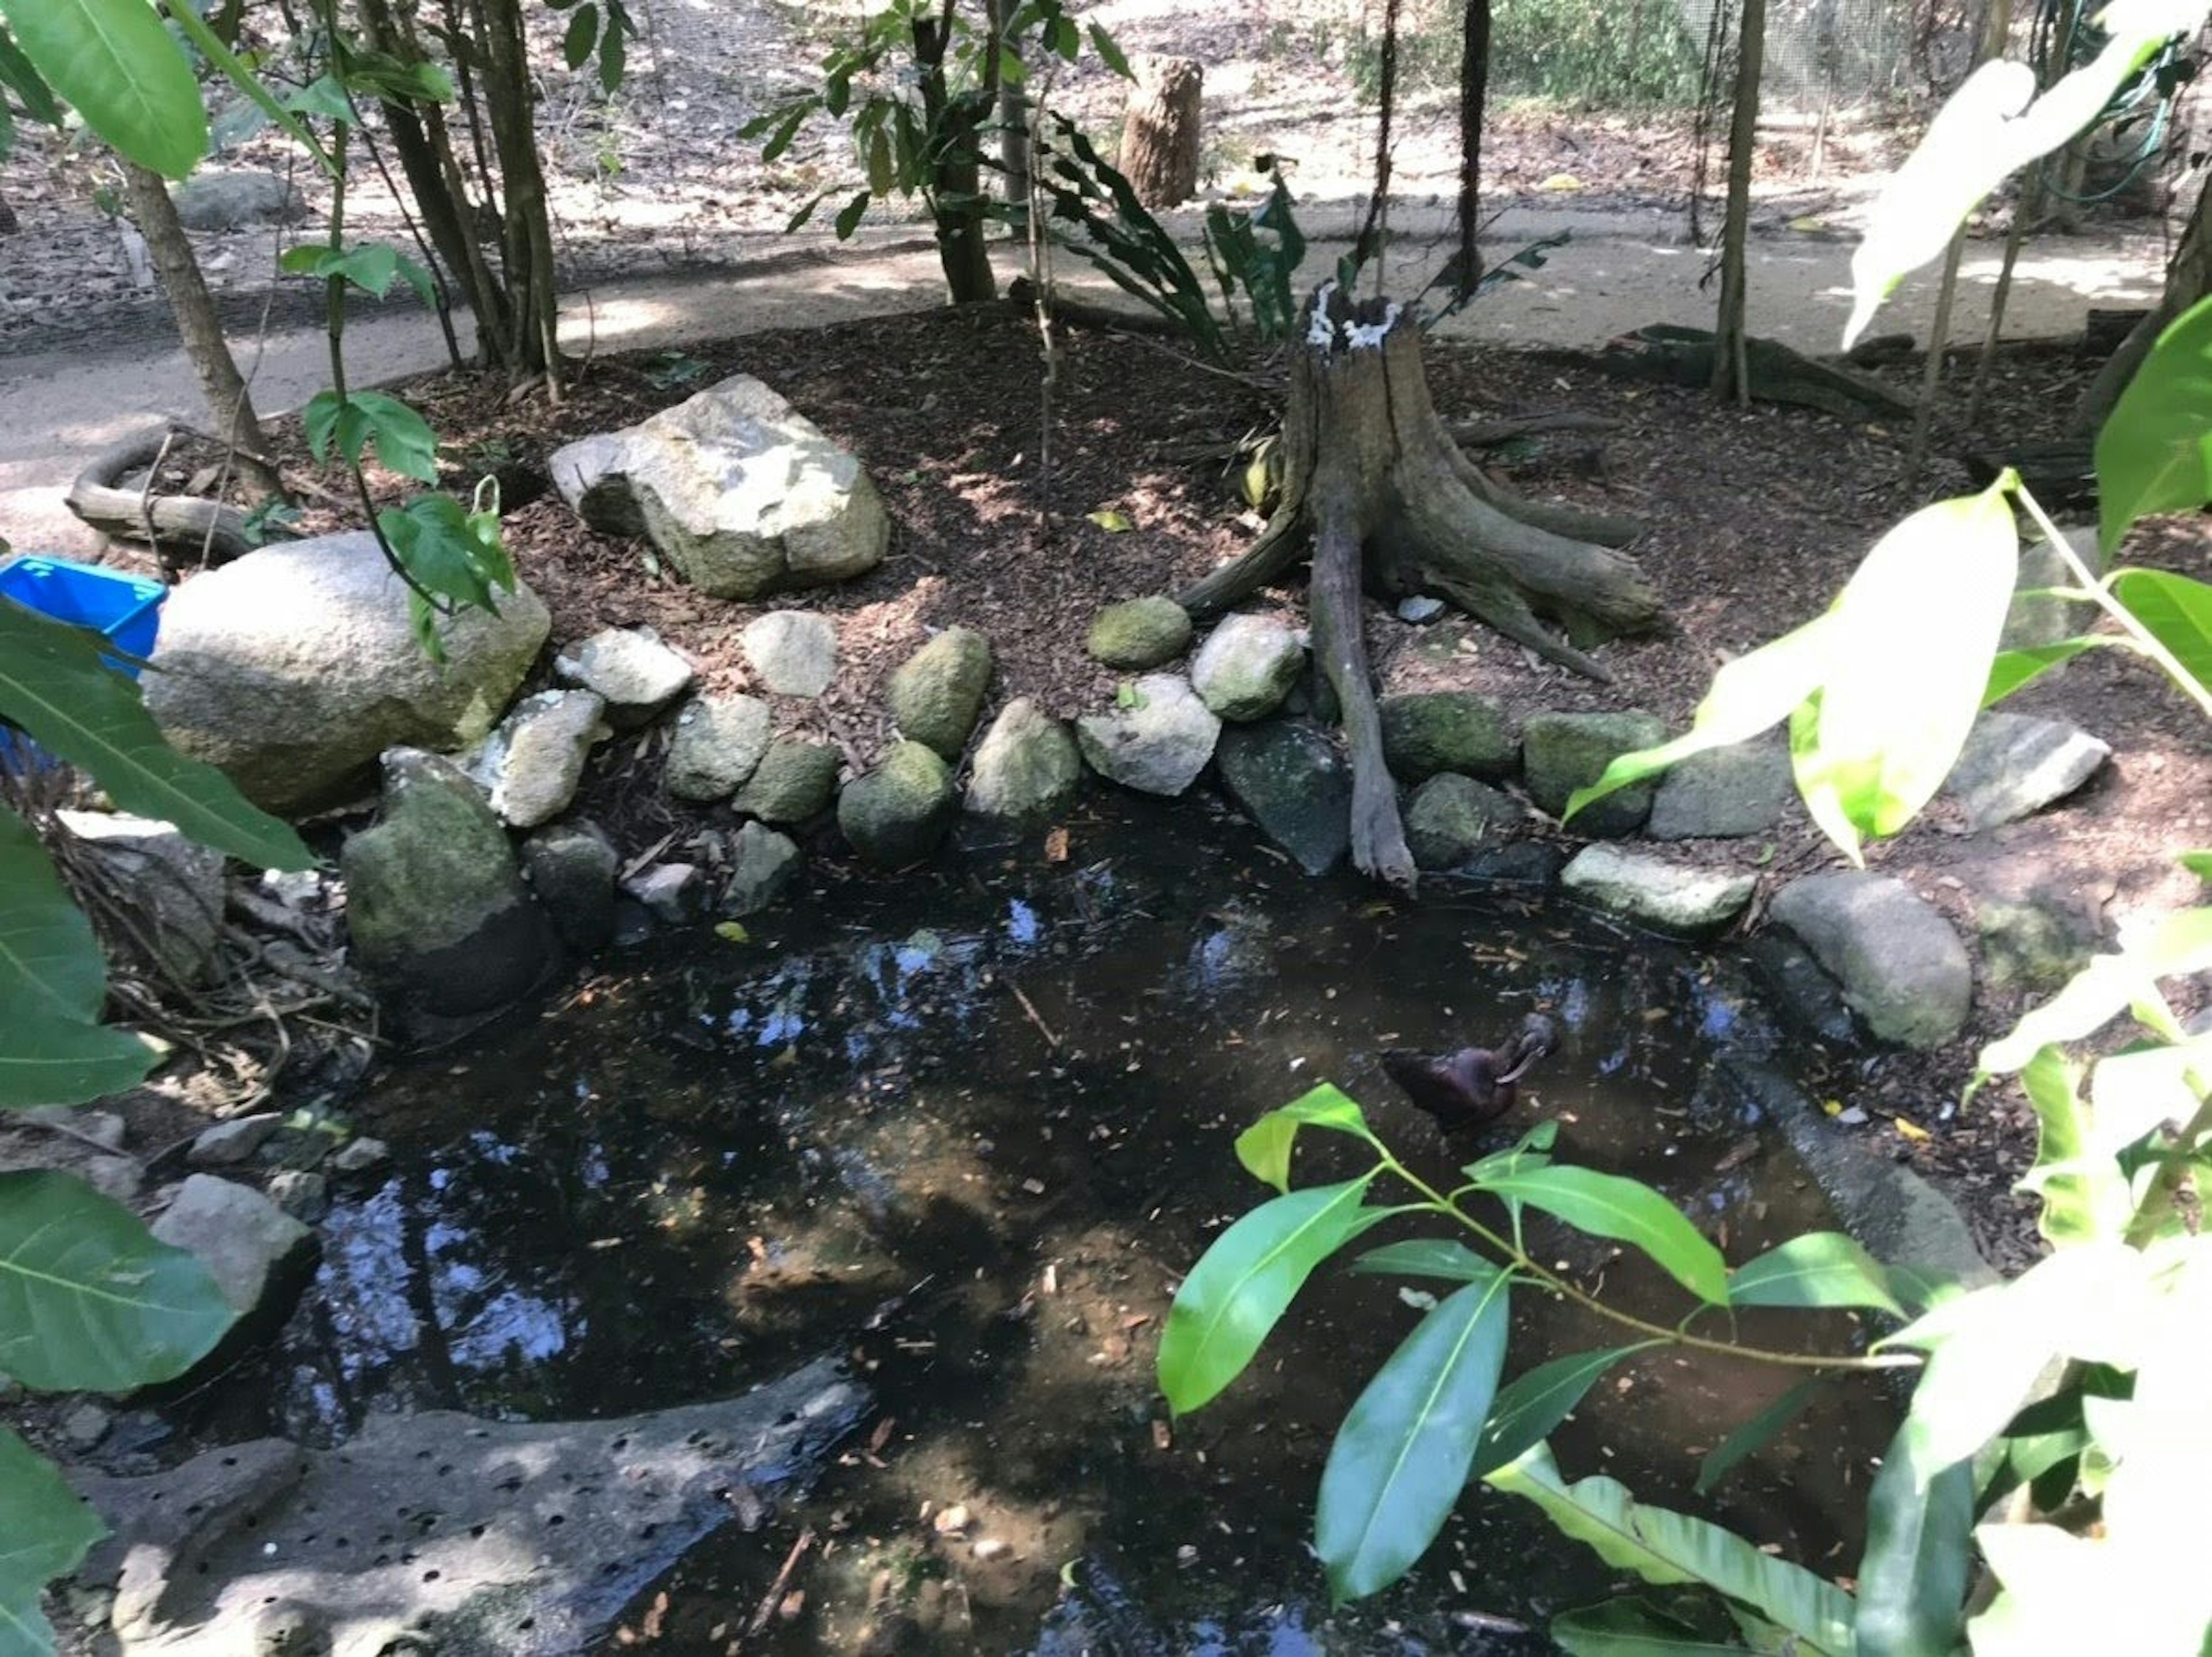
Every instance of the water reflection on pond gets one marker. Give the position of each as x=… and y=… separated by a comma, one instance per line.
x=970, y=1129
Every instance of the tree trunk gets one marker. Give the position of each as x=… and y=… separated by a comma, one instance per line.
x=1013, y=113
x=956, y=200
x=1731, y=337
x=1376, y=488
x=1473, y=96
x=532, y=347
x=1160, y=133
x=2188, y=279
x=230, y=403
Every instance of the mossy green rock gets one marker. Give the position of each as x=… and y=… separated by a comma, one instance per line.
x=937, y=691
x=796, y=780
x=1433, y=732
x=896, y=813
x=1452, y=818
x=1027, y=767
x=1140, y=633
x=1562, y=752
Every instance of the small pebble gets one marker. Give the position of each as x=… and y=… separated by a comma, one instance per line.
x=360, y=1154
x=990, y=1547
x=305, y=1196
x=228, y=1143
x=1420, y=608
x=954, y=1519
x=85, y=1425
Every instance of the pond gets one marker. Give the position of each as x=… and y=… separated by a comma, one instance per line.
x=968, y=1128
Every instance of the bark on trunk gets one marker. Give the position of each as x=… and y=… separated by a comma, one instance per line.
x=1731, y=358
x=955, y=204
x=185, y=531
x=531, y=348
x=230, y=404
x=1160, y=133
x=2188, y=279
x=1375, y=486
x=1473, y=97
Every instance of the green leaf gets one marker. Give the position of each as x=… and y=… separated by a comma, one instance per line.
x=580, y=36
x=1528, y=1152
x=2175, y=609
x=786, y=129
x=1630, y=1627
x=325, y=96
x=1401, y=1455
x=114, y=62
x=209, y=44
x=1109, y=54
x=2085, y=1198
x=17, y=75
x=1912, y=637
x=849, y=216
x=451, y=552
x=53, y=983
x=2197, y=863
x=370, y=266
x=1992, y=125
x=1265, y=1148
x=1427, y=1257
x=1112, y=519
x=882, y=175
x=2175, y=945
x=1606, y=1205
x=1818, y=1269
x=1721, y=1458
x=2139, y=1091
x=2155, y=451
x=1666, y=1547
x=1920, y=1521
x=1747, y=696
x=45, y=1533
x=1244, y=1284
x=404, y=442
x=2012, y=669
x=88, y=1300
x=1532, y=1405
x=55, y=685
x=614, y=48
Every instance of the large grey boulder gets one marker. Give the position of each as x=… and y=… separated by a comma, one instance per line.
x=1452, y=818
x=794, y=652
x=1156, y=742
x=2013, y=765
x=937, y=693
x=741, y=492
x=1139, y=633
x=532, y=764
x=1562, y=752
x=1668, y=897
x=1027, y=767
x=629, y=669
x=720, y=741
x=2038, y=925
x=513, y=1538
x=1246, y=667
x=795, y=781
x=1290, y=780
x=232, y=200
x=1432, y=731
x=293, y=667
x=175, y=884
x=1903, y=968
x=571, y=867
x=896, y=813
x=1723, y=793
x=253, y=1249
x=440, y=918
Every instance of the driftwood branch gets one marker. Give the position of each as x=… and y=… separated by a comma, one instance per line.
x=181, y=528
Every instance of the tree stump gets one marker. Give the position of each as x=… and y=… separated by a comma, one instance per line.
x=1377, y=491
x=1159, y=134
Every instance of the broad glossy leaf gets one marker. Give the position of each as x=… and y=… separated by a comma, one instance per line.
x=849, y=216
x=1530, y=1405
x=210, y=46
x=1244, y=1284
x=1992, y=125
x=2015, y=669
x=2175, y=945
x=1666, y=1547
x=2175, y=609
x=404, y=442
x=2155, y=451
x=2085, y=1197
x=1912, y=634
x=1530, y=1151
x=114, y=62
x=1748, y=695
x=17, y=75
x=1747, y=1440
x=1265, y=1147
x=1632, y=1627
x=2197, y=863
x=1606, y=1205
x=580, y=36
x=1401, y=1455
x=1818, y=1269
x=1109, y=54
x=2137, y=1093
x=451, y=551
x=45, y=1531
x=54, y=684
x=88, y=1300
x=1913, y=1578
x=1427, y=1257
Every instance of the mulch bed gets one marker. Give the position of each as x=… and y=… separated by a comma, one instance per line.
x=1756, y=518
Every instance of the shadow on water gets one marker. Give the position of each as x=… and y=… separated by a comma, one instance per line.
x=969, y=1128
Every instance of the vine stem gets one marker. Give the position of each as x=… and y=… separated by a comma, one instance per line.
x=1565, y=1288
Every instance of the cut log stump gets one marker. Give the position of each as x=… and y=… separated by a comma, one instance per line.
x=1160, y=132
x=1379, y=495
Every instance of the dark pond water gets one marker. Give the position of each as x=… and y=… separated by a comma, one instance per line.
x=968, y=1129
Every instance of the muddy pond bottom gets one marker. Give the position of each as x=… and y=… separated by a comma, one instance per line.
x=967, y=1130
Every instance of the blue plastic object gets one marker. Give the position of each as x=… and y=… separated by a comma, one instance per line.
x=123, y=609
x=126, y=608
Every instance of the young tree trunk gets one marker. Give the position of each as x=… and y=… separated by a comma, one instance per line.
x=1375, y=486
x=532, y=347
x=2188, y=279
x=230, y=403
x=1473, y=95
x=956, y=201
x=1160, y=132
x=1731, y=341
x=1013, y=113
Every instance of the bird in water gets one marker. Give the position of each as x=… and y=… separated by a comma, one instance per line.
x=1474, y=1085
